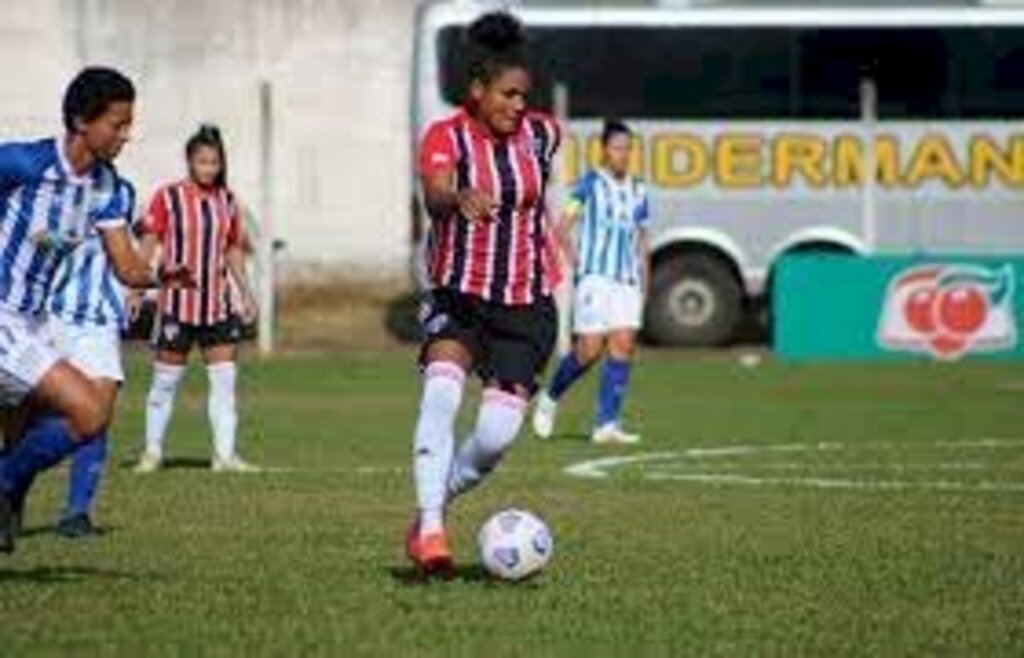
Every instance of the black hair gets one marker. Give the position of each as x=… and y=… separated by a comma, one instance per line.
x=495, y=42
x=92, y=92
x=613, y=127
x=209, y=135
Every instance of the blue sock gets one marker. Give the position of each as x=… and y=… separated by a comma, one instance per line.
x=86, y=471
x=614, y=380
x=569, y=370
x=46, y=442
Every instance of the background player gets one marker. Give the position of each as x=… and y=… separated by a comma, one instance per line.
x=484, y=174
x=53, y=192
x=197, y=221
x=87, y=309
x=610, y=258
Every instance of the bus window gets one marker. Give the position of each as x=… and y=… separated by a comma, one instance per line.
x=909, y=67
x=660, y=73
x=990, y=72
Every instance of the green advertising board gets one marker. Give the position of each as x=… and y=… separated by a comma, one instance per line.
x=944, y=307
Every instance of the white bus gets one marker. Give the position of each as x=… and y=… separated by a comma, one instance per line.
x=755, y=130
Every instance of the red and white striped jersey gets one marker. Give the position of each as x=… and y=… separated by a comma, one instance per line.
x=509, y=260
x=196, y=227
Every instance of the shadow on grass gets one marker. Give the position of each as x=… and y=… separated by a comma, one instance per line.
x=469, y=573
x=41, y=530
x=62, y=575
x=175, y=463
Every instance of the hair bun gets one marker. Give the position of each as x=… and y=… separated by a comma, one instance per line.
x=498, y=31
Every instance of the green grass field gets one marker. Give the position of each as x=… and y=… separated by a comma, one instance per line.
x=903, y=534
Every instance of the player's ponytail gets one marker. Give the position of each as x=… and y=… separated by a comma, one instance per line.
x=209, y=135
x=495, y=42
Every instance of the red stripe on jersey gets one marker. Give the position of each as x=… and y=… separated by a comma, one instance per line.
x=525, y=254
x=481, y=234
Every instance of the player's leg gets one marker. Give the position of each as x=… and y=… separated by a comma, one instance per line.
x=624, y=317
x=173, y=344
x=87, y=465
x=220, y=353
x=97, y=352
x=519, y=343
x=446, y=357
x=77, y=416
x=589, y=326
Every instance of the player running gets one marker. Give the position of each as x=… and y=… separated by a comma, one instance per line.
x=87, y=310
x=197, y=221
x=484, y=173
x=53, y=192
x=610, y=258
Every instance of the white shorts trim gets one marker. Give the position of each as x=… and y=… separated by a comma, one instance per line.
x=27, y=353
x=603, y=304
x=93, y=349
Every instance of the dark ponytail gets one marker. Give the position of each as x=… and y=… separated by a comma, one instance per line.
x=209, y=135
x=495, y=42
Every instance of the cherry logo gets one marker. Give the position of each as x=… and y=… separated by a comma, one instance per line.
x=951, y=310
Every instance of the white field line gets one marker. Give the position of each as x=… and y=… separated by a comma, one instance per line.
x=661, y=466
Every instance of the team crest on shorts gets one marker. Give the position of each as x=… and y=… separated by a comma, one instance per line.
x=171, y=331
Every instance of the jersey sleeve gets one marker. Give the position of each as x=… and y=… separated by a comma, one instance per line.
x=156, y=219
x=119, y=209
x=643, y=211
x=580, y=194
x=18, y=162
x=236, y=228
x=437, y=153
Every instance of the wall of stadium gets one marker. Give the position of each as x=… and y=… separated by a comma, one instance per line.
x=339, y=76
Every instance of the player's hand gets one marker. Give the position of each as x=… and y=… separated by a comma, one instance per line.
x=176, y=276
x=249, y=310
x=133, y=305
x=476, y=206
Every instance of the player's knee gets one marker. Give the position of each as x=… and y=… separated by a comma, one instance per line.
x=621, y=346
x=588, y=351
x=89, y=422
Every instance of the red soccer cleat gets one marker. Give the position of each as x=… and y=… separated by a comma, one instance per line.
x=431, y=553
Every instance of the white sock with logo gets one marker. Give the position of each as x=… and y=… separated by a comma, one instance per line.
x=434, y=440
x=497, y=425
x=160, y=405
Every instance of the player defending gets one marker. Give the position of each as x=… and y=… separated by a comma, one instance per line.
x=87, y=308
x=610, y=258
x=484, y=173
x=53, y=192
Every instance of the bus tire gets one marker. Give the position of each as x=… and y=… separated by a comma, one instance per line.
x=695, y=301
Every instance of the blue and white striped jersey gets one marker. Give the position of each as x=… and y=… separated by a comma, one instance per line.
x=85, y=290
x=45, y=209
x=613, y=214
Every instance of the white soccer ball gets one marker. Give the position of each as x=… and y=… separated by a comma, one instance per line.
x=515, y=545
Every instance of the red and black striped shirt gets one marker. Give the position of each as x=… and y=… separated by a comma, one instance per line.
x=196, y=227
x=510, y=260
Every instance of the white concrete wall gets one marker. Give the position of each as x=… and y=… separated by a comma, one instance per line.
x=339, y=72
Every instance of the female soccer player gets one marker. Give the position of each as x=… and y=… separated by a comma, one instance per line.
x=484, y=175
x=197, y=221
x=87, y=309
x=53, y=192
x=611, y=263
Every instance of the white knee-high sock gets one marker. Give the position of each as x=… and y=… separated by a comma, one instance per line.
x=434, y=440
x=221, y=407
x=497, y=424
x=160, y=405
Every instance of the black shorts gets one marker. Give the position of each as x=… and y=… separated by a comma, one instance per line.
x=174, y=336
x=509, y=344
